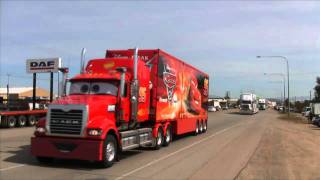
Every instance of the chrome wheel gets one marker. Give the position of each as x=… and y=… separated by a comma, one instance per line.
x=204, y=126
x=201, y=127
x=168, y=136
x=196, y=132
x=159, y=138
x=110, y=151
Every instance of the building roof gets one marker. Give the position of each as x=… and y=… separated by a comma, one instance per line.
x=15, y=90
x=25, y=91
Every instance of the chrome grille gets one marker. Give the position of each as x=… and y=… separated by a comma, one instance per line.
x=67, y=119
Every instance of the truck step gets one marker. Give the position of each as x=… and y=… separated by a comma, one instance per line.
x=136, y=138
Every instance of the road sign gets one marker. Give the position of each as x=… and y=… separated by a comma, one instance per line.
x=43, y=65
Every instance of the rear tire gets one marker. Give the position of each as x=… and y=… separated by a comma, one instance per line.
x=32, y=120
x=200, y=127
x=205, y=125
x=11, y=121
x=22, y=120
x=196, y=132
x=159, y=139
x=168, y=136
x=109, y=152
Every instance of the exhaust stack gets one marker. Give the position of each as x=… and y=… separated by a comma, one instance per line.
x=83, y=53
x=134, y=91
x=135, y=64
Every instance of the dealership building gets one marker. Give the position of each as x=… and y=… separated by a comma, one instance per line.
x=24, y=93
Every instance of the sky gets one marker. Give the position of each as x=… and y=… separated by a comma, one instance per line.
x=220, y=38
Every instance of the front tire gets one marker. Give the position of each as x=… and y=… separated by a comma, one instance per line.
x=109, y=151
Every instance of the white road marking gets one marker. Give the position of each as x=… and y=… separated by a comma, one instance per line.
x=178, y=151
x=12, y=167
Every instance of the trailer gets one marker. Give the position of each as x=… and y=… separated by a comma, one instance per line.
x=11, y=119
x=129, y=99
x=17, y=113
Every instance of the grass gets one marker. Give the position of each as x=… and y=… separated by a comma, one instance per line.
x=294, y=117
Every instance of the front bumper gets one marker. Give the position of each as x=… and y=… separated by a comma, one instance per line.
x=67, y=148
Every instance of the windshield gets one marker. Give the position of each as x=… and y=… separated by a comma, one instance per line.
x=94, y=87
x=245, y=102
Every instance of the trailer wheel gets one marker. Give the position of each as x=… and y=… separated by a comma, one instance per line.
x=22, y=120
x=4, y=121
x=32, y=120
x=200, y=127
x=11, y=121
x=205, y=125
x=109, y=151
x=159, y=139
x=168, y=136
x=196, y=132
x=44, y=160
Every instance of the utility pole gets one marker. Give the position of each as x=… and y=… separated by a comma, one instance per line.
x=310, y=96
x=8, y=93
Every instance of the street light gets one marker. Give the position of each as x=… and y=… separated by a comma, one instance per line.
x=285, y=59
x=284, y=83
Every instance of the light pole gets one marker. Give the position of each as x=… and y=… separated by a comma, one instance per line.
x=8, y=93
x=284, y=83
x=288, y=78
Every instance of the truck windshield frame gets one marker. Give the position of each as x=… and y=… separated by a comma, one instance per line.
x=94, y=87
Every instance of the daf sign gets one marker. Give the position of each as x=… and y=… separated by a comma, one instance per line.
x=43, y=65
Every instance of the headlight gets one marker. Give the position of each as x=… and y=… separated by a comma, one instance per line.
x=40, y=130
x=94, y=132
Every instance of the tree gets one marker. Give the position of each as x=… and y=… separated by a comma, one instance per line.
x=317, y=90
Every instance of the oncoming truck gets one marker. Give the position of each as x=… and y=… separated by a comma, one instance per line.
x=248, y=103
x=262, y=104
x=130, y=98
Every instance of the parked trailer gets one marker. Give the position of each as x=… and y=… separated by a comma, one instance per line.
x=126, y=100
x=10, y=119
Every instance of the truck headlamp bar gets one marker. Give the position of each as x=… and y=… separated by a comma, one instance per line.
x=94, y=132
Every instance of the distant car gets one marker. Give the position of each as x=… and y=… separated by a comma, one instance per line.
x=218, y=108
x=280, y=108
x=212, y=109
x=225, y=108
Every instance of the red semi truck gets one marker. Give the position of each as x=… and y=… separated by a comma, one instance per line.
x=130, y=98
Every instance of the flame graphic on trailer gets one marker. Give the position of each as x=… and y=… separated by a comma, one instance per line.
x=169, y=79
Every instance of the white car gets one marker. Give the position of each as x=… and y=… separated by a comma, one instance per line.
x=306, y=111
x=212, y=109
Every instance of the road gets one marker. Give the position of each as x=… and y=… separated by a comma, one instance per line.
x=222, y=152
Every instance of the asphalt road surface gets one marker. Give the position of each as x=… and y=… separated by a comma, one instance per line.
x=222, y=152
